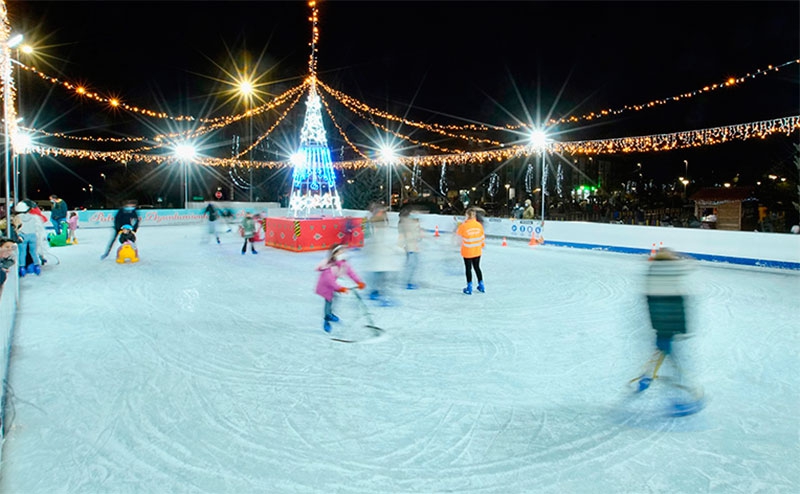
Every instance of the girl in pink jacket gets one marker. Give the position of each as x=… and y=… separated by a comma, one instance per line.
x=329, y=271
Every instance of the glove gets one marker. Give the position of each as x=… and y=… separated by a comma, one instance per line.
x=342, y=289
x=361, y=285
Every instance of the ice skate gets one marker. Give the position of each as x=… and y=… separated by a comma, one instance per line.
x=468, y=289
x=481, y=288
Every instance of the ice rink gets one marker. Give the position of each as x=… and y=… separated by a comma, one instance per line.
x=202, y=370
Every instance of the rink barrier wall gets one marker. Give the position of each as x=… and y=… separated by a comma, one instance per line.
x=770, y=250
x=773, y=250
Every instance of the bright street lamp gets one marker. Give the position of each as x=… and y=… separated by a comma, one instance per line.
x=539, y=143
x=185, y=153
x=387, y=156
x=247, y=90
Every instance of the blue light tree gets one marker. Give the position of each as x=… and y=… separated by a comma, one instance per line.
x=313, y=177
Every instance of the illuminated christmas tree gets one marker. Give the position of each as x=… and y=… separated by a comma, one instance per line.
x=313, y=177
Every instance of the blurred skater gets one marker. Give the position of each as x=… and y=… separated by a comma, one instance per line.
x=248, y=231
x=72, y=227
x=666, y=303
x=382, y=256
x=126, y=215
x=472, y=243
x=409, y=236
x=213, y=216
x=330, y=270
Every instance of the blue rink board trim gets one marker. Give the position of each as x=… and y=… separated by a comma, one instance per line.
x=744, y=261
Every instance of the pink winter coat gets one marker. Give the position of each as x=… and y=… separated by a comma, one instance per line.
x=329, y=273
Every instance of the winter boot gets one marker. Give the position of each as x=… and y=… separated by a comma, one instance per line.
x=468, y=289
x=481, y=288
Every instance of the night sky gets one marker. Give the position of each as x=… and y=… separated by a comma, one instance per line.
x=447, y=62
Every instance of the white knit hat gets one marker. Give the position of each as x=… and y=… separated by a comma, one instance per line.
x=21, y=207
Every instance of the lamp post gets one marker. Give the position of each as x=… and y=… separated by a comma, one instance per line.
x=20, y=144
x=185, y=153
x=388, y=156
x=20, y=141
x=246, y=91
x=539, y=142
x=8, y=110
x=508, y=200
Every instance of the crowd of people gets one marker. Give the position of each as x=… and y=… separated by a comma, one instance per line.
x=391, y=260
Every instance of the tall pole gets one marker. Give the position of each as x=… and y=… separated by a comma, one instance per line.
x=544, y=182
x=185, y=183
x=6, y=140
x=250, y=157
x=389, y=192
x=16, y=156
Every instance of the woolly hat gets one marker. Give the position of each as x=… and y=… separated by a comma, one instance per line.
x=126, y=227
x=336, y=250
x=21, y=207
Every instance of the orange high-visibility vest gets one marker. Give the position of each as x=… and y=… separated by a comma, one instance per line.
x=472, y=239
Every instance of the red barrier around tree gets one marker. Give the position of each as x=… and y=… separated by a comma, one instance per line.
x=309, y=234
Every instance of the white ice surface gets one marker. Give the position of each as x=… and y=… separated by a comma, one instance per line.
x=202, y=370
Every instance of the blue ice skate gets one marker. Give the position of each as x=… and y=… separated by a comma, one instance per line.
x=644, y=383
x=682, y=409
x=468, y=289
x=327, y=327
x=481, y=288
x=332, y=318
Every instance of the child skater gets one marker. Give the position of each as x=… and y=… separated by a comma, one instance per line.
x=666, y=304
x=329, y=271
x=126, y=236
x=248, y=230
x=72, y=225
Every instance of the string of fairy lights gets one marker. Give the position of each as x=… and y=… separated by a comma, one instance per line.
x=450, y=156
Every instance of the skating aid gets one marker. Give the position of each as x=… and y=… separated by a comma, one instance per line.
x=376, y=331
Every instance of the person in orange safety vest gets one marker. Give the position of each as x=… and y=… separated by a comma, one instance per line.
x=472, y=243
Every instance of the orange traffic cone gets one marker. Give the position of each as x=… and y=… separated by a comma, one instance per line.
x=436, y=232
x=505, y=244
x=652, y=252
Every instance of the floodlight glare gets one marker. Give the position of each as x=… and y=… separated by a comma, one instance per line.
x=538, y=139
x=21, y=142
x=297, y=159
x=14, y=40
x=185, y=151
x=246, y=87
x=387, y=153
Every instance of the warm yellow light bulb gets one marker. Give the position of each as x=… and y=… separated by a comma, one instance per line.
x=81, y=90
x=114, y=102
